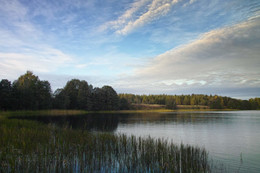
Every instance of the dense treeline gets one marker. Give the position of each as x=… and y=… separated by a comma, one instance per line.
x=28, y=92
x=213, y=102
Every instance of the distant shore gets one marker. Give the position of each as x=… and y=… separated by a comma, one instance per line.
x=81, y=112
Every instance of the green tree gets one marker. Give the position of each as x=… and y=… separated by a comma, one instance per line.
x=31, y=92
x=71, y=89
x=254, y=103
x=84, y=96
x=79, y=94
x=123, y=104
x=43, y=95
x=170, y=102
x=98, y=102
x=186, y=100
x=110, y=98
x=6, y=95
x=61, y=100
x=216, y=102
x=178, y=100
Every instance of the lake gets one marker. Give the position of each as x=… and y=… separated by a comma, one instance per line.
x=230, y=137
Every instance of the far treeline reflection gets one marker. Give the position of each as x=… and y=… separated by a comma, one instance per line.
x=90, y=122
x=108, y=122
x=28, y=92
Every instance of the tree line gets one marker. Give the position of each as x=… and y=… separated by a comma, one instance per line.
x=28, y=92
x=212, y=101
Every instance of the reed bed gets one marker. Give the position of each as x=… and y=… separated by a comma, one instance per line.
x=28, y=146
x=53, y=112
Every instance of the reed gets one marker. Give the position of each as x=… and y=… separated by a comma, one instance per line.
x=54, y=112
x=28, y=146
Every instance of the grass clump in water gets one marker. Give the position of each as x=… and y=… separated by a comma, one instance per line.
x=27, y=146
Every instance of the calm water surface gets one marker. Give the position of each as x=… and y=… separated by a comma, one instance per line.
x=231, y=138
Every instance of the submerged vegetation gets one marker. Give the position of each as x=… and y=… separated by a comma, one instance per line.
x=29, y=146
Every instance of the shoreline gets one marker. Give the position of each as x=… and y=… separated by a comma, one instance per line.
x=57, y=112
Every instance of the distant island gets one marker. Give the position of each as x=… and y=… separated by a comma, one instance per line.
x=28, y=92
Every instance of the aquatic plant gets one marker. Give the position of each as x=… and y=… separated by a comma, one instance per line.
x=28, y=146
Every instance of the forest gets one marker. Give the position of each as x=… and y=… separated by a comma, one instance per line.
x=28, y=92
x=213, y=102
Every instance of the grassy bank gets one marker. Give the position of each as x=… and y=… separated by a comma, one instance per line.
x=82, y=112
x=158, y=106
x=170, y=110
x=28, y=146
x=42, y=112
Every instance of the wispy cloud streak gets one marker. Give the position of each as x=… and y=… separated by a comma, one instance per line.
x=133, y=18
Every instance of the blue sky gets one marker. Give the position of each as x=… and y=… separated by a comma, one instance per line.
x=136, y=46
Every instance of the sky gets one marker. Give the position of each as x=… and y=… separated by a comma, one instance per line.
x=135, y=46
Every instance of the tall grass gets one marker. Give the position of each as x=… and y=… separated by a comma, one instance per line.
x=27, y=146
x=42, y=112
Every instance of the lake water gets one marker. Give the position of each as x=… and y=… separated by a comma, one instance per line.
x=231, y=138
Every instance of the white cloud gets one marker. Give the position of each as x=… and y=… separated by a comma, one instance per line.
x=227, y=57
x=23, y=45
x=12, y=9
x=42, y=60
x=189, y=3
x=95, y=62
x=15, y=15
x=133, y=19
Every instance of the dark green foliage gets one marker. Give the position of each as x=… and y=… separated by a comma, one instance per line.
x=79, y=95
x=213, y=102
x=25, y=88
x=216, y=102
x=6, y=95
x=71, y=90
x=84, y=96
x=110, y=98
x=255, y=103
x=28, y=92
x=61, y=100
x=43, y=95
x=98, y=102
x=32, y=93
x=123, y=104
x=105, y=98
